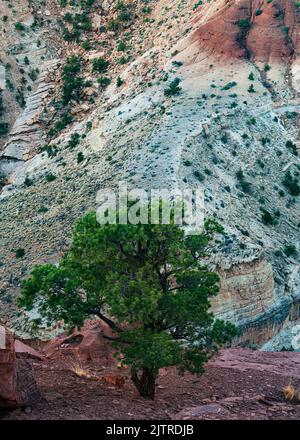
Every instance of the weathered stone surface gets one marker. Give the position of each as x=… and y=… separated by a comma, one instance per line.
x=17, y=383
x=262, y=39
x=84, y=345
x=25, y=351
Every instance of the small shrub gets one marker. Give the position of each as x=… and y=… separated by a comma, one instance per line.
x=104, y=81
x=120, y=82
x=74, y=140
x=80, y=157
x=244, y=24
x=20, y=253
x=173, y=89
x=3, y=128
x=291, y=183
x=229, y=85
x=50, y=177
x=267, y=218
x=199, y=176
x=121, y=46
x=291, y=146
x=28, y=181
x=290, y=250
x=19, y=26
x=100, y=65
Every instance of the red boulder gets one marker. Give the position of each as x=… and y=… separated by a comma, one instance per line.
x=17, y=383
x=86, y=345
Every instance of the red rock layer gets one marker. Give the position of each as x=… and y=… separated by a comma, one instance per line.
x=273, y=33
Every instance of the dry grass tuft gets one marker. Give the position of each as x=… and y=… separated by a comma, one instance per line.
x=291, y=393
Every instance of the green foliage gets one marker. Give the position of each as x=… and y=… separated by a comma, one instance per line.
x=51, y=150
x=251, y=76
x=19, y=26
x=245, y=186
x=80, y=23
x=244, y=24
x=251, y=89
x=120, y=82
x=33, y=74
x=199, y=176
x=149, y=283
x=267, y=67
x=123, y=60
x=121, y=46
x=64, y=120
x=20, y=253
x=100, y=65
x=3, y=128
x=291, y=183
x=229, y=85
x=104, y=81
x=74, y=140
x=80, y=157
x=290, y=250
x=196, y=5
x=73, y=84
x=268, y=218
x=86, y=45
x=291, y=146
x=50, y=177
x=173, y=89
x=28, y=181
x=112, y=25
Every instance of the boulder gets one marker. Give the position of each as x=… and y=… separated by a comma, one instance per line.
x=25, y=351
x=86, y=345
x=17, y=383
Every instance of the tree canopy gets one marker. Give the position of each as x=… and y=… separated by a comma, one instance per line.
x=148, y=282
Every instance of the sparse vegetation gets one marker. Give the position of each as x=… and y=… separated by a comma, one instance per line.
x=291, y=183
x=100, y=65
x=73, y=84
x=174, y=89
x=20, y=253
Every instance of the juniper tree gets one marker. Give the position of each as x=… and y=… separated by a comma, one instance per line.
x=149, y=283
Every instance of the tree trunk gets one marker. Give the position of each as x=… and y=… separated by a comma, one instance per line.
x=146, y=383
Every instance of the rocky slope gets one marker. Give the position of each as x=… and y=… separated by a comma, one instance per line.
x=232, y=129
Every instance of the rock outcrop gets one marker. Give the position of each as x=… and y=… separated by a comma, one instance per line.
x=27, y=134
x=261, y=31
x=17, y=382
x=85, y=345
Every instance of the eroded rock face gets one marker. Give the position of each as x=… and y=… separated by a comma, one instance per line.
x=87, y=344
x=17, y=383
x=254, y=29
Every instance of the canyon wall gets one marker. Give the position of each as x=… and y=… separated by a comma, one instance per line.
x=231, y=129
